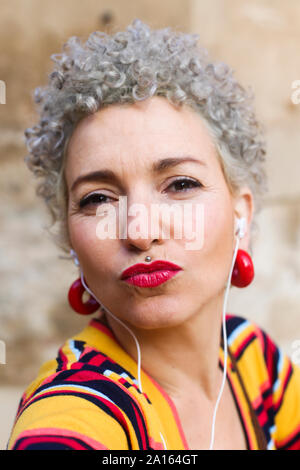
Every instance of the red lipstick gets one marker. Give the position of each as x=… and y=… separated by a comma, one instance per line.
x=150, y=275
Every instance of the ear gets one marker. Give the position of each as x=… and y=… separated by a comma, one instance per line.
x=244, y=207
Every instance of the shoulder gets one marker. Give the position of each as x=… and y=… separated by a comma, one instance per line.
x=73, y=404
x=253, y=348
x=242, y=332
x=246, y=338
x=271, y=378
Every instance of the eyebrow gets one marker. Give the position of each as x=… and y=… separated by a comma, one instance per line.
x=109, y=176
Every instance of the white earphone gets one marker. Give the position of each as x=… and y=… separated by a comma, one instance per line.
x=240, y=233
x=241, y=227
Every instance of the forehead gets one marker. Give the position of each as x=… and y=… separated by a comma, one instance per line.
x=147, y=128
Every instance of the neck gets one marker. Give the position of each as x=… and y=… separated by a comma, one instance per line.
x=182, y=357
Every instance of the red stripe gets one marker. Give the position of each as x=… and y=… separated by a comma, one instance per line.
x=289, y=438
x=141, y=428
x=63, y=358
x=155, y=445
x=271, y=350
x=96, y=359
x=135, y=386
x=228, y=316
x=295, y=445
x=263, y=418
x=83, y=376
x=268, y=402
x=99, y=359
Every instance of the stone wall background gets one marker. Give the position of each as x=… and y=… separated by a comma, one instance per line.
x=260, y=40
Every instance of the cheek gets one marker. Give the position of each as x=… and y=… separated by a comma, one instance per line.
x=81, y=232
x=212, y=261
x=212, y=220
x=83, y=237
x=218, y=220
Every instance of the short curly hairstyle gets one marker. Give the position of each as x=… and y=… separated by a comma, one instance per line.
x=133, y=65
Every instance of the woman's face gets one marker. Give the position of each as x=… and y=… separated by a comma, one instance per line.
x=129, y=140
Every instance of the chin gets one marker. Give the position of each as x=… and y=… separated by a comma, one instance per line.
x=155, y=314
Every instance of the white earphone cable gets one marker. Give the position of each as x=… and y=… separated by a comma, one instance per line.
x=120, y=321
x=138, y=347
x=225, y=347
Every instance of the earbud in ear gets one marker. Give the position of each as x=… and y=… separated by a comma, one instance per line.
x=74, y=256
x=241, y=227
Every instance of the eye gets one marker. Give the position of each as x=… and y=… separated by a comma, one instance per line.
x=185, y=184
x=93, y=200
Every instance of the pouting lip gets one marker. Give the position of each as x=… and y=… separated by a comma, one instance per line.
x=148, y=268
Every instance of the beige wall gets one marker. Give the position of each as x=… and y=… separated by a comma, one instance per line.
x=260, y=40
x=35, y=317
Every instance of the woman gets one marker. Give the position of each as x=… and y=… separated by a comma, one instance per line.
x=143, y=116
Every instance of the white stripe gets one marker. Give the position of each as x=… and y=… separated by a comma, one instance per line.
x=237, y=332
x=270, y=445
x=81, y=387
x=75, y=351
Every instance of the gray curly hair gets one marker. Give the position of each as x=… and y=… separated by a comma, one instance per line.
x=134, y=65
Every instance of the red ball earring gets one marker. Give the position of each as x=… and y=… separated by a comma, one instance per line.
x=75, y=299
x=243, y=271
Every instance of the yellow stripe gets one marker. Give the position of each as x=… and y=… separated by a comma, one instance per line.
x=242, y=402
x=253, y=369
x=73, y=413
x=234, y=345
x=288, y=417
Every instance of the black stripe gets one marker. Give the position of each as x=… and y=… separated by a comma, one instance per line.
x=251, y=338
x=284, y=391
x=104, y=385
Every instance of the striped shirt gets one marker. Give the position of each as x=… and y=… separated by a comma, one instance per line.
x=88, y=397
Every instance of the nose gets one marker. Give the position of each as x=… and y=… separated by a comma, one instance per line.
x=140, y=226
